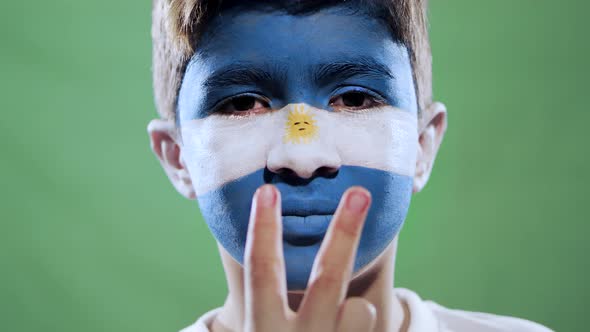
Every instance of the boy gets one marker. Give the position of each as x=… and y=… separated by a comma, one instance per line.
x=302, y=128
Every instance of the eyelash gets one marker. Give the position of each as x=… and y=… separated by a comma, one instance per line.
x=226, y=102
x=373, y=97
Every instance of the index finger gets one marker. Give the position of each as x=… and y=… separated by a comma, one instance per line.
x=264, y=279
x=332, y=267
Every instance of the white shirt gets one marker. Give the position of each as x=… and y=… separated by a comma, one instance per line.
x=426, y=316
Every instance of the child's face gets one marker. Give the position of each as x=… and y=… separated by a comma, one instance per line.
x=321, y=102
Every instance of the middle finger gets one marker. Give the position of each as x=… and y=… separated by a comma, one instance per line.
x=332, y=267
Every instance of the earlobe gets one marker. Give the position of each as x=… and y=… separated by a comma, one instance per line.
x=432, y=126
x=166, y=145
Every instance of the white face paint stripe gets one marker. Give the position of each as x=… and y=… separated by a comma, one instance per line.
x=222, y=148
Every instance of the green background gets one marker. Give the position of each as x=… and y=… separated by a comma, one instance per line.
x=94, y=238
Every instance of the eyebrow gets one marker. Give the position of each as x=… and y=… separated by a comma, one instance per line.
x=245, y=73
x=342, y=70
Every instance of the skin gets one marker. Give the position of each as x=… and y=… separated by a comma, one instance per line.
x=337, y=297
x=239, y=55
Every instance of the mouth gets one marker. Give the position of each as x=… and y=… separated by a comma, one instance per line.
x=306, y=221
x=303, y=231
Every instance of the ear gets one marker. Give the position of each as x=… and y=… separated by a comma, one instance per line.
x=166, y=145
x=431, y=127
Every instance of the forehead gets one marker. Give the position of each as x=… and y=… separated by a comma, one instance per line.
x=275, y=36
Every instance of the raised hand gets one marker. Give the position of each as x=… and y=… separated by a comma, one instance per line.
x=324, y=307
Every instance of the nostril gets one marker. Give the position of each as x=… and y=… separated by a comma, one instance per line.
x=326, y=171
x=286, y=172
x=296, y=179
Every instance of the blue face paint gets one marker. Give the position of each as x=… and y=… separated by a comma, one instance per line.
x=390, y=194
x=306, y=59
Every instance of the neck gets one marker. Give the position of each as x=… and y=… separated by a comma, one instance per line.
x=374, y=283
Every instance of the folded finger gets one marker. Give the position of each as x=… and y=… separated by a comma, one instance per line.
x=356, y=315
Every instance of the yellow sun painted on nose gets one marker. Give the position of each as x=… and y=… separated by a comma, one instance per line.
x=300, y=127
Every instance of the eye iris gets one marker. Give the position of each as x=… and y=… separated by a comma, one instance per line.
x=353, y=99
x=244, y=103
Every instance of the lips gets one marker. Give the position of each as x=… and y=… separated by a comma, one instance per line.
x=305, y=221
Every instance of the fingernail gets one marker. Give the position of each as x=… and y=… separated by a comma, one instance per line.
x=266, y=196
x=357, y=201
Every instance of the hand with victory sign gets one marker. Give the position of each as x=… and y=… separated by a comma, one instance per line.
x=324, y=307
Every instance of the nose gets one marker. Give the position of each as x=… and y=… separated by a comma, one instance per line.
x=303, y=161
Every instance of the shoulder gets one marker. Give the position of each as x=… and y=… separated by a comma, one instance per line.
x=454, y=320
x=461, y=320
x=201, y=325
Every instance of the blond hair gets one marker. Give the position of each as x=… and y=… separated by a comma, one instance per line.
x=177, y=24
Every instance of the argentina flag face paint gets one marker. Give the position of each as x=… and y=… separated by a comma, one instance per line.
x=313, y=104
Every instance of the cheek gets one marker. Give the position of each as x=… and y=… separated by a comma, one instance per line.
x=222, y=149
x=391, y=195
x=384, y=139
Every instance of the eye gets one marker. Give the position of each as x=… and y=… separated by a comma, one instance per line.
x=243, y=104
x=355, y=100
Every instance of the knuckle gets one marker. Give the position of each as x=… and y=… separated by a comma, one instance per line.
x=261, y=261
x=326, y=281
x=260, y=268
x=330, y=268
x=349, y=228
x=263, y=227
